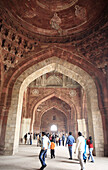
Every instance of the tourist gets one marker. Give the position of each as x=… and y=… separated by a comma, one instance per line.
x=28, y=138
x=52, y=147
x=90, y=144
x=63, y=139
x=44, y=146
x=85, y=154
x=80, y=147
x=31, y=137
x=70, y=140
x=59, y=140
x=25, y=138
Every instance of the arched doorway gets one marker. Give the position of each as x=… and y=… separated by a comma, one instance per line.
x=54, y=117
x=47, y=104
x=74, y=72
x=53, y=128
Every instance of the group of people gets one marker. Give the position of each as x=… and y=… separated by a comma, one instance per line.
x=48, y=141
x=28, y=138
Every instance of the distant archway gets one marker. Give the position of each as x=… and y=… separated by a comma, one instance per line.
x=48, y=105
x=54, y=116
x=53, y=128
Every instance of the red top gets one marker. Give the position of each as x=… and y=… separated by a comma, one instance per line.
x=90, y=144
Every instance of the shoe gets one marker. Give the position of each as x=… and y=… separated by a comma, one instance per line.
x=44, y=166
x=70, y=158
x=84, y=160
x=92, y=161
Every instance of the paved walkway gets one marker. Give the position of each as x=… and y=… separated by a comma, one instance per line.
x=27, y=159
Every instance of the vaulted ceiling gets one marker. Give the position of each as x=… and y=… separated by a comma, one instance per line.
x=77, y=26
x=54, y=17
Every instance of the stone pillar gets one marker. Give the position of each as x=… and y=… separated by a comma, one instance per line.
x=82, y=127
x=25, y=127
x=43, y=81
x=95, y=122
x=105, y=129
x=64, y=80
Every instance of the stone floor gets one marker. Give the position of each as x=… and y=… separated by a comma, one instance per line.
x=27, y=159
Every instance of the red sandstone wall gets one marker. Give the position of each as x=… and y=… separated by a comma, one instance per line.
x=68, y=108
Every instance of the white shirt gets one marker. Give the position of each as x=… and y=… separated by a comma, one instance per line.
x=80, y=144
x=45, y=142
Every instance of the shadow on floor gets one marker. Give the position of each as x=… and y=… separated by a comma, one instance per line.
x=37, y=156
x=73, y=162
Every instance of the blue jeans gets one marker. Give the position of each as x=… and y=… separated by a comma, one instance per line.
x=90, y=154
x=42, y=156
x=70, y=151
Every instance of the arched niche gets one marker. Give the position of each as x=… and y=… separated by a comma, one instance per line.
x=48, y=103
x=44, y=98
x=56, y=95
x=53, y=116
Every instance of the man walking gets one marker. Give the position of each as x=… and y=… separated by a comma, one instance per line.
x=70, y=140
x=80, y=146
x=44, y=146
x=63, y=139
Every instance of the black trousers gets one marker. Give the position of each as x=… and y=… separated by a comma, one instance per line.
x=52, y=153
x=63, y=142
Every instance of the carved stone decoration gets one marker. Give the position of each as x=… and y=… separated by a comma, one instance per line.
x=6, y=46
x=11, y=35
x=104, y=70
x=20, y=53
x=80, y=12
x=34, y=92
x=56, y=6
x=55, y=22
x=72, y=93
x=30, y=13
x=9, y=61
x=71, y=83
x=12, y=50
x=18, y=39
x=54, y=81
x=8, y=64
x=103, y=66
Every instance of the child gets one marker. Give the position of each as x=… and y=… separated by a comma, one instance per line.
x=52, y=147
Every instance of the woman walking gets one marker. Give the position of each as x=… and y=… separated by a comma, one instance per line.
x=90, y=144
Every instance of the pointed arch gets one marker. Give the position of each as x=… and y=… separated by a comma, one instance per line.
x=68, y=69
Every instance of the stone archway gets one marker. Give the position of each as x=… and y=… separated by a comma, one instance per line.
x=59, y=96
x=46, y=110
x=60, y=120
x=70, y=70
